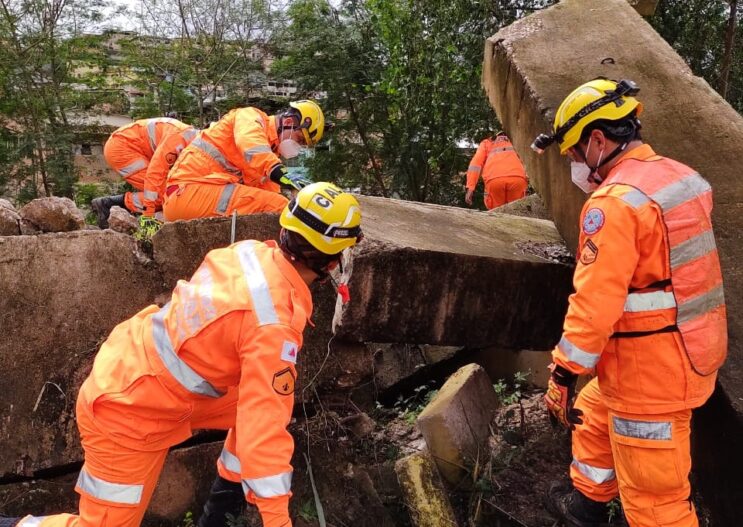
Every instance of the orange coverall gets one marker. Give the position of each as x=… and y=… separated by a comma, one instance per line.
x=221, y=354
x=501, y=170
x=226, y=168
x=635, y=437
x=131, y=148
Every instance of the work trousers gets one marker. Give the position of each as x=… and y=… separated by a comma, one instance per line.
x=129, y=164
x=116, y=482
x=205, y=200
x=645, y=459
x=504, y=189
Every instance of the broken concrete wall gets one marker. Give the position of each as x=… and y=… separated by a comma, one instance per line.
x=533, y=64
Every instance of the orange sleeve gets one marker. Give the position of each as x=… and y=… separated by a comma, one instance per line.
x=608, y=259
x=157, y=171
x=476, y=165
x=252, y=142
x=264, y=409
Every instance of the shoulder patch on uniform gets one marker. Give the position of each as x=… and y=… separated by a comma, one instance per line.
x=289, y=351
x=283, y=382
x=593, y=221
x=589, y=253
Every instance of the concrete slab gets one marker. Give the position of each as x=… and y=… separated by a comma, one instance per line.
x=424, y=492
x=684, y=119
x=456, y=423
x=644, y=7
x=530, y=207
x=450, y=276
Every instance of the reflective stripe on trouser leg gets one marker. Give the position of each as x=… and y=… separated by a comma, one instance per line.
x=592, y=470
x=224, y=198
x=652, y=459
x=133, y=202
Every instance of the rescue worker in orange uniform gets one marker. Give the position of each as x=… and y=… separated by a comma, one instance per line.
x=501, y=170
x=234, y=165
x=142, y=153
x=647, y=316
x=220, y=354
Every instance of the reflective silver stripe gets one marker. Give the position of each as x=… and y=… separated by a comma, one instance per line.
x=637, y=302
x=189, y=134
x=635, y=198
x=595, y=474
x=257, y=283
x=695, y=307
x=683, y=190
x=260, y=149
x=224, y=198
x=132, y=168
x=32, y=521
x=230, y=462
x=151, y=195
x=498, y=150
x=474, y=168
x=577, y=355
x=642, y=429
x=137, y=200
x=215, y=154
x=182, y=372
x=692, y=249
x=195, y=308
x=104, y=490
x=152, y=133
x=269, y=487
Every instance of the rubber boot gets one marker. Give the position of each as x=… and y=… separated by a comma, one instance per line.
x=8, y=522
x=102, y=208
x=225, y=497
x=578, y=510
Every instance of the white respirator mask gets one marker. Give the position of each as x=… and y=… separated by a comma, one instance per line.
x=583, y=176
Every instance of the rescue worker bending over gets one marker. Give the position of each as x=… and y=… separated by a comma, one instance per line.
x=501, y=170
x=234, y=165
x=648, y=315
x=142, y=153
x=221, y=354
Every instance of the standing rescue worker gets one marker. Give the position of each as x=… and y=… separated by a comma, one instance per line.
x=501, y=170
x=221, y=354
x=234, y=165
x=648, y=315
x=142, y=153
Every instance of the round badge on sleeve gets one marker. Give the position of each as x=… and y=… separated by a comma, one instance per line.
x=593, y=221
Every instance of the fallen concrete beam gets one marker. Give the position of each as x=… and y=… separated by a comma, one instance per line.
x=684, y=119
x=456, y=423
x=60, y=296
x=530, y=207
x=644, y=7
x=450, y=276
x=424, y=492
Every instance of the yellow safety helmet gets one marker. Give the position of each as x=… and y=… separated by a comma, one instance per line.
x=324, y=215
x=599, y=99
x=311, y=120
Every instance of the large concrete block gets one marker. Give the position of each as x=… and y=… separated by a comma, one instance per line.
x=60, y=296
x=444, y=275
x=456, y=424
x=644, y=7
x=424, y=492
x=684, y=119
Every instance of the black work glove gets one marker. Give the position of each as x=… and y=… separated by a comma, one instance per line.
x=560, y=397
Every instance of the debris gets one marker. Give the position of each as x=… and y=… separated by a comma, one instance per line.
x=9, y=219
x=424, y=492
x=53, y=214
x=120, y=220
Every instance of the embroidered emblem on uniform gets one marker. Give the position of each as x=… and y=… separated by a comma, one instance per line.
x=589, y=253
x=283, y=382
x=289, y=351
x=593, y=221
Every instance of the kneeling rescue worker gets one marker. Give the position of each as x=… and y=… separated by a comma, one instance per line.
x=648, y=315
x=221, y=354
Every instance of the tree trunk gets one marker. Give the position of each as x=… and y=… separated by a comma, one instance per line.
x=729, y=45
x=364, y=140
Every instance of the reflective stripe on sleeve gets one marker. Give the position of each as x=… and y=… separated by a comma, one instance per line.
x=32, y=521
x=257, y=284
x=637, y=302
x=152, y=133
x=182, y=372
x=151, y=195
x=692, y=249
x=642, y=429
x=230, y=462
x=189, y=134
x=269, y=487
x=595, y=474
x=260, y=149
x=695, y=307
x=683, y=190
x=224, y=198
x=132, y=168
x=113, y=492
x=474, y=168
x=577, y=355
x=635, y=198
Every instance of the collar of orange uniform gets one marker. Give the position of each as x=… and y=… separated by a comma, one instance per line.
x=304, y=296
x=273, y=136
x=642, y=152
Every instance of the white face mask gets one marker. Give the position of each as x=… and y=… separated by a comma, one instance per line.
x=585, y=177
x=289, y=148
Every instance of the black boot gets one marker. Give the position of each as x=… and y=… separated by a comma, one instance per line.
x=577, y=510
x=225, y=497
x=8, y=522
x=102, y=207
